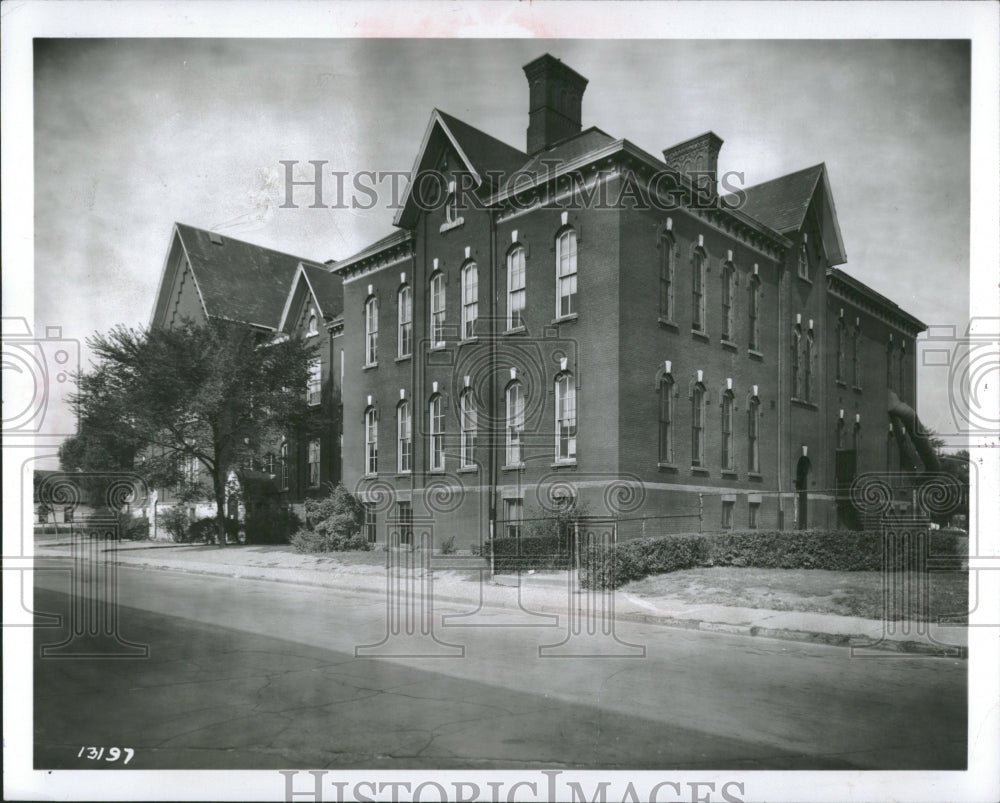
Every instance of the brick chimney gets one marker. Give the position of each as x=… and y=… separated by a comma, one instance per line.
x=697, y=155
x=555, y=100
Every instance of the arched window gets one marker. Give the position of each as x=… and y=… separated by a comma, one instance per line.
x=312, y=330
x=666, y=249
x=857, y=440
x=470, y=426
x=804, y=259
x=891, y=452
x=807, y=358
x=437, y=309
x=728, y=276
x=516, y=290
x=314, y=462
x=404, y=435
x=284, y=465
x=666, y=419
x=727, y=430
x=371, y=331
x=404, y=305
x=565, y=417
x=753, y=435
x=841, y=349
x=470, y=300
x=514, y=398
x=753, y=313
x=901, y=373
x=371, y=441
x=698, y=291
x=566, y=274
x=698, y=425
x=435, y=415
x=841, y=434
x=797, y=362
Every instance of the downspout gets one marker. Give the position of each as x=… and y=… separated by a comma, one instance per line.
x=781, y=395
x=492, y=394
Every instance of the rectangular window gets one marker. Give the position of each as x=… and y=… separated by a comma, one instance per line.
x=470, y=300
x=370, y=529
x=698, y=292
x=284, y=466
x=404, y=522
x=698, y=427
x=512, y=514
x=753, y=436
x=515, y=423
x=841, y=346
x=727, y=302
x=437, y=309
x=314, y=450
x=68, y=514
x=727, y=431
x=516, y=292
x=754, y=314
x=803, y=260
x=470, y=427
x=565, y=418
x=666, y=421
x=405, y=317
x=371, y=442
x=566, y=274
x=856, y=357
x=666, y=248
x=753, y=515
x=314, y=389
x=371, y=331
x=404, y=426
x=727, y=515
x=436, y=420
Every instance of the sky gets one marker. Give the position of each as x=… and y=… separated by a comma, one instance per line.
x=131, y=135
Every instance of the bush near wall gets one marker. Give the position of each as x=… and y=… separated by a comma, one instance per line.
x=270, y=525
x=835, y=550
x=333, y=524
x=130, y=528
x=520, y=554
x=205, y=530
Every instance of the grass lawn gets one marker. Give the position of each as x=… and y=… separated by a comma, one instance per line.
x=843, y=593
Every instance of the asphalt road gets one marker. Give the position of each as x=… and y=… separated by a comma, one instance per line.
x=253, y=675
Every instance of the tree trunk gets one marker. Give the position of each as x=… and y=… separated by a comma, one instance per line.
x=220, y=507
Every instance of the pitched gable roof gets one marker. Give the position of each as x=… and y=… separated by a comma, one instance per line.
x=239, y=281
x=319, y=283
x=479, y=152
x=782, y=203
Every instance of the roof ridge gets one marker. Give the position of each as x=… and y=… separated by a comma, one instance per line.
x=785, y=176
x=212, y=232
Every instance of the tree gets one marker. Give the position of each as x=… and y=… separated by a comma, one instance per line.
x=218, y=393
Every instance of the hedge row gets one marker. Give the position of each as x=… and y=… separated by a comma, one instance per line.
x=837, y=550
x=520, y=554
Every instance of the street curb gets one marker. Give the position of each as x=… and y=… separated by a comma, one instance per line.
x=752, y=631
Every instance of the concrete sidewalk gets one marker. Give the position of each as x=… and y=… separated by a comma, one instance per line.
x=461, y=580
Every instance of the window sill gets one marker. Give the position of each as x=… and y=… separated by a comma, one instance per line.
x=729, y=344
x=313, y=404
x=513, y=467
x=669, y=467
x=730, y=474
x=564, y=464
x=469, y=470
x=403, y=475
x=699, y=471
x=438, y=346
x=666, y=323
x=808, y=405
x=755, y=475
x=436, y=470
x=404, y=357
x=369, y=365
x=366, y=477
x=802, y=278
x=757, y=355
x=468, y=340
x=454, y=224
x=841, y=383
x=565, y=318
x=699, y=335
x=857, y=389
x=517, y=330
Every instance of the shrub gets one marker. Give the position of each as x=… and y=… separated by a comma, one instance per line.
x=836, y=550
x=305, y=540
x=133, y=528
x=205, y=530
x=519, y=554
x=271, y=525
x=448, y=546
x=176, y=522
x=130, y=528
